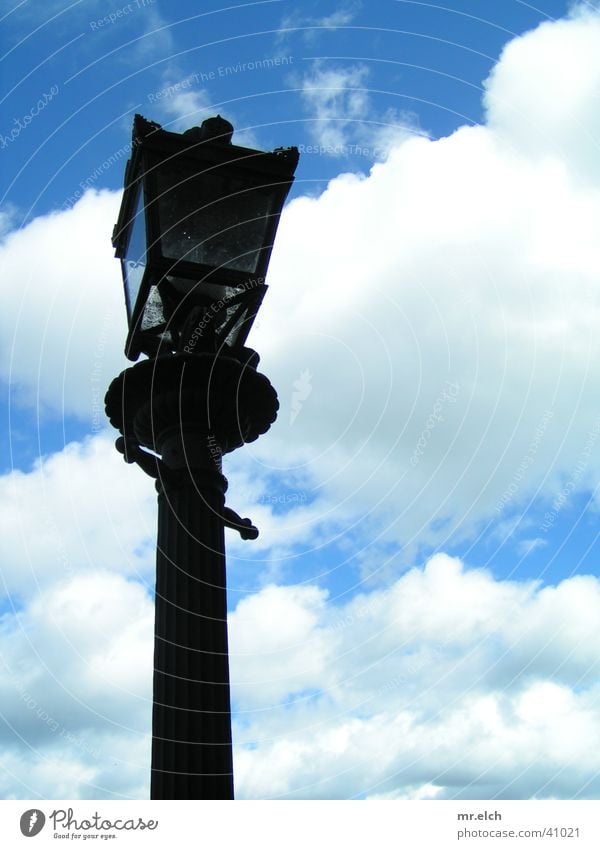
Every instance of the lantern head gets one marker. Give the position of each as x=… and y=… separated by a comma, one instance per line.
x=194, y=235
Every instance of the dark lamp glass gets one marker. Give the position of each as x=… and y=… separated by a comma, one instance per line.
x=195, y=233
x=228, y=229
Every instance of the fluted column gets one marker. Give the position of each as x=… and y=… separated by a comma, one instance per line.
x=191, y=726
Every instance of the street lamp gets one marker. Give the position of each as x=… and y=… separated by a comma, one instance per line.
x=194, y=236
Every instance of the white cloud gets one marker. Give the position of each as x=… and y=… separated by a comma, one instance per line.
x=8, y=218
x=76, y=691
x=63, y=325
x=447, y=683
x=83, y=509
x=528, y=546
x=181, y=102
x=158, y=37
x=310, y=27
x=338, y=101
x=80, y=509
x=542, y=97
x=469, y=262
x=288, y=637
x=339, y=18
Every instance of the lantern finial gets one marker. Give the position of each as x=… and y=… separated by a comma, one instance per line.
x=215, y=129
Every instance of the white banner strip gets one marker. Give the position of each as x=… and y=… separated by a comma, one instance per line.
x=302, y=824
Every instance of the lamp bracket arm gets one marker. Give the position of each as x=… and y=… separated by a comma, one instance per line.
x=149, y=463
x=245, y=528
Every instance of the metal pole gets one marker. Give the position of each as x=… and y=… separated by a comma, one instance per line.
x=191, y=722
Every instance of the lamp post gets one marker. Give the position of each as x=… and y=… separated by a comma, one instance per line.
x=194, y=235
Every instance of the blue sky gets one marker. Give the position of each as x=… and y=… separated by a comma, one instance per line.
x=419, y=614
